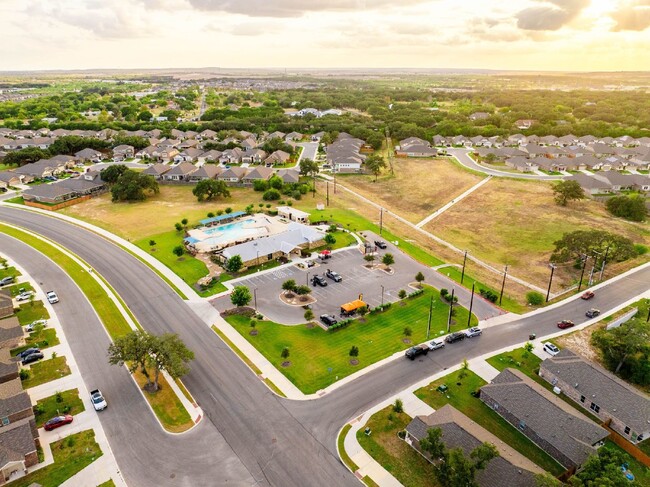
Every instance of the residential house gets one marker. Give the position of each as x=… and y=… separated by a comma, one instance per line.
x=233, y=175
x=209, y=156
x=510, y=468
x=207, y=171
x=11, y=333
x=8, y=366
x=6, y=304
x=180, y=172
x=248, y=144
x=11, y=178
x=439, y=141
x=254, y=156
x=288, y=175
x=231, y=156
x=18, y=450
x=166, y=153
x=415, y=147
x=149, y=152
x=157, y=171
x=259, y=173
x=187, y=144
x=617, y=180
x=89, y=155
x=40, y=169
x=599, y=392
x=524, y=124
x=344, y=154
x=277, y=157
x=590, y=184
x=641, y=182
x=207, y=134
x=122, y=152
x=317, y=136
x=556, y=427
x=292, y=136
x=188, y=155
x=276, y=135
x=64, y=160
x=83, y=186
x=49, y=194
x=15, y=404
x=522, y=164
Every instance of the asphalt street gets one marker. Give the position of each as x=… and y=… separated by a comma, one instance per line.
x=279, y=442
x=465, y=160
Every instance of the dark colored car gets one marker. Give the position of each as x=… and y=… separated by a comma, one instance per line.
x=414, y=352
x=6, y=280
x=455, y=337
x=380, y=244
x=592, y=313
x=334, y=276
x=565, y=324
x=27, y=352
x=57, y=422
x=319, y=281
x=587, y=295
x=32, y=357
x=328, y=320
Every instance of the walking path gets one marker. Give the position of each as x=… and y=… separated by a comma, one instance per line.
x=452, y=202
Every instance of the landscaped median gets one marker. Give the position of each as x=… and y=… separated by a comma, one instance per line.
x=318, y=357
x=175, y=417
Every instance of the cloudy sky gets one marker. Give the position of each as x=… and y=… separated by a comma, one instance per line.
x=499, y=34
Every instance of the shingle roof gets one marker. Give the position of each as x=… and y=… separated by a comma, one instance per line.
x=50, y=191
x=16, y=441
x=605, y=389
x=156, y=169
x=10, y=329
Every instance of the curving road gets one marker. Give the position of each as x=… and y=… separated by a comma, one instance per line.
x=462, y=156
x=251, y=436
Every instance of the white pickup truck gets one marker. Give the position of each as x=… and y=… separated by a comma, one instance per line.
x=96, y=397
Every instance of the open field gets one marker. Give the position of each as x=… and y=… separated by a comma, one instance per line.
x=516, y=222
x=418, y=188
x=319, y=357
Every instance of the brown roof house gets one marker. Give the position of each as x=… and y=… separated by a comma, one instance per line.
x=8, y=367
x=260, y=172
x=6, y=304
x=600, y=392
x=10, y=332
x=157, y=170
x=17, y=449
x=510, y=468
x=557, y=428
x=180, y=172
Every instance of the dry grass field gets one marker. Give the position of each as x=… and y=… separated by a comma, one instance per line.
x=516, y=222
x=418, y=188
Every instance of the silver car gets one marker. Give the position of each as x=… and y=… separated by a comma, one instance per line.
x=436, y=344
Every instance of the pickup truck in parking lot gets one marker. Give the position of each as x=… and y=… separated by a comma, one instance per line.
x=328, y=320
x=333, y=275
x=318, y=281
x=414, y=352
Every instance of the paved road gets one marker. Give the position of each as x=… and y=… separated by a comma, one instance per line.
x=309, y=151
x=462, y=156
x=280, y=442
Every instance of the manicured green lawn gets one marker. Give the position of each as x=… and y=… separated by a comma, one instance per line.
x=393, y=453
x=45, y=339
x=461, y=398
x=519, y=359
x=108, y=483
x=9, y=271
x=319, y=358
x=45, y=371
x=343, y=239
x=18, y=200
x=71, y=455
x=640, y=471
x=29, y=312
x=66, y=402
x=16, y=289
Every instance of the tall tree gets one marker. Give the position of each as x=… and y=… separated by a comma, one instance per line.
x=234, y=264
x=375, y=164
x=112, y=173
x=240, y=296
x=132, y=349
x=133, y=186
x=308, y=167
x=603, y=469
x=629, y=207
x=169, y=354
x=575, y=245
x=623, y=342
x=566, y=191
x=208, y=189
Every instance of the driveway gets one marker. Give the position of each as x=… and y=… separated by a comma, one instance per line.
x=462, y=156
x=309, y=151
x=357, y=280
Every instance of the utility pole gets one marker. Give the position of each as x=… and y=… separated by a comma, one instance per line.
x=471, y=303
x=451, y=309
x=430, y=313
x=602, y=267
x=314, y=190
x=382, y=296
x=328, y=193
x=648, y=318
x=582, y=274
x=381, y=220
x=503, y=284
x=462, y=275
x=308, y=278
x=550, y=281
x=255, y=298
x=334, y=183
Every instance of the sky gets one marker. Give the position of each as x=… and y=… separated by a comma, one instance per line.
x=553, y=35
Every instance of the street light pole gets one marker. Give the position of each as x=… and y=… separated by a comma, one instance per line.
x=462, y=275
x=550, y=281
x=503, y=284
x=382, y=296
x=308, y=278
x=430, y=313
x=451, y=309
x=381, y=220
x=602, y=267
x=582, y=274
x=328, y=193
x=255, y=298
x=471, y=303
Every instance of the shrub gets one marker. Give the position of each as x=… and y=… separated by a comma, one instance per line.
x=369, y=257
x=534, y=298
x=401, y=294
x=408, y=332
x=398, y=406
x=641, y=249
x=489, y=295
x=58, y=397
x=417, y=292
x=340, y=324
x=271, y=195
x=444, y=292
x=302, y=290
x=24, y=374
x=210, y=214
x=260, y=185
x=228, y=211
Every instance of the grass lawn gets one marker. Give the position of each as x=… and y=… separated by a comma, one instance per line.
x=167, y=405
x=18, y=200
x=46, y=338
x=344, y=455
x=343, y=239
x=29, y=312
x=108, y=483
x=519, y=359
x=16, y=289
x=45, y=371
x=460, y=397
x=9, y=271
x=66, y=402
x=71, y=455
x=640, y=471
x=645, y=446
x=393, y=453
x=319, y=358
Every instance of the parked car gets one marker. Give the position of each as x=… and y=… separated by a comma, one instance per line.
x=436, y=344
x=334, y=276
x=310, y=263
x=328, y=320
x=58, y=421
x=551, y=349
x=587, y=295
x=24, y=296
x=27, y=352
x=380, y=244
x=6, y=280
x=32, y=357
x=473, y=332
x=592, y=313
x=52, y=297
x=325, y=254
x=97, y=398
x=30, y=328
x=414, y=352
x=455, y=337
x=319, y=281
x=565, y=324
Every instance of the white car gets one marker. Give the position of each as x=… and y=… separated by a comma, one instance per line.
x=473, y=332
x=99, y=403
x=52, y=297
x=551, y=349
x=24, y=296
x=436, y=344
x=29, y=328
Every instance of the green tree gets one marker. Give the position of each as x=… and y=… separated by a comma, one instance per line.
x=145, y=116
x=309, y=315
x=308, y=167
x=330, y=239
x=276, y=182
x=408, y=332
x=169, y=354
x=388, y=260
x=401, y=294
x=419, y=278
x=112, y=173
x=240, y=296
x=285, y=353
x=178, y=227
x=152, y=243
x=375, y=164
x=354, y=351
x=133, y=186
x=619, y=345
x=575, y=245
x=185, y=221
x=289, y=285
x=234, y=264
x=534, y=298
x=566, y=191
x=208, y=189
x=302, y=290
x=25, y=156
x=178, y=251
x=528, y=348
x=133, y=350
x=602, y=469
x=631, y=208
x=398, y=406
x=464, y=370
x=546, y=480
x=271, y=195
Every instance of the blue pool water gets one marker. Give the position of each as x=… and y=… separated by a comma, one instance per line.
x=230, y=232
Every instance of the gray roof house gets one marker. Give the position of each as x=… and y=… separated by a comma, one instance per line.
x=180, y=172
x=510, y=468
x=207, y=171
x=157, y=170
x=17, y=449
x=290, y=175
x=6, y=304
x=600, y=392
x=89, y=155
x=49, y=193
x=233, y=174
x=10, y=330
x=549, y=422
x=590, y=184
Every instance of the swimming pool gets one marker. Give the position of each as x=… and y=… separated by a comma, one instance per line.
x=231, y=232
